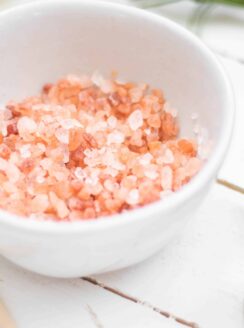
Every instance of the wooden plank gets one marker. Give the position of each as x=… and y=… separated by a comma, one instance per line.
x=200, y=274
x=232, y=170
x=38, y=302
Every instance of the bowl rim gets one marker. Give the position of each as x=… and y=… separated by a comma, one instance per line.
x=206, y=174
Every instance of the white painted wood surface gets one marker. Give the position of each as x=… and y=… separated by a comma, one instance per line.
x=40, y=302
x=233, y=168
x=199, y=276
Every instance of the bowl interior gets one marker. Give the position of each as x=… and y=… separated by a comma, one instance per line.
x=45, y=41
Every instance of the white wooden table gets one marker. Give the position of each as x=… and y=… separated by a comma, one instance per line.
x=198, y=278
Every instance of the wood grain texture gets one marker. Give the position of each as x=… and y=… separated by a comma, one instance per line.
x=40, y=302
x=199, y=275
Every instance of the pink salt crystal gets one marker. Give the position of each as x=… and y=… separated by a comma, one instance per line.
x=121, y=194
x=111, y=171
x=129, y=182
x=147, y=131
x=58, y=205
x=99, y=126
x=136, y=138
x=73, y=79
x=151, y=172
x=85, y=81
x=95, y=141
x=62, y=135
x=168, y=157
x=135, y=120
x=25, y=151
x=3, y=164
x=41, y=147
x=107, y=86
x=46, y=163
x=89, y=213
x=166, y=178
x=115, y=137
x=110, y=185
x=9, y=187
x=26, y=125
x=97, y=206
x=193, y=166
x=42, y=107
x=204, y=150
x=133, y=197
x=66, y=154
x=97, y=79
x=112, y=121
x=170, y=110
x=117, y=165
x=145, y=159
x=80, y=173
x=7, y=114
x=59, y=175
x=40, y=203
x=136, y=94
x=102, y=151
x=30, y=190
x=96, y=189
x=70, y=123
x=40, y=179
x=92, y=181
x=3, y=127
x=13, y=173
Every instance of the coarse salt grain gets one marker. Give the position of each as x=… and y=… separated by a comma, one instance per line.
x=166, y=178
x=40, y=179
x=112, y=121
x=40, y=203
x=70, y=123
x=80, y=173
x=133, y=197
x=26, y=125
x=145, y=159
x=168, y=157
x=46, y=163
x=59, y=205
x=62, y=135
x=89, y=147
x=13, y=173
x=135, y=120
x=151, y=174
x=110, y=185
x=115, y=137
x=25, y=151
x=147, y=131
x=97, y=79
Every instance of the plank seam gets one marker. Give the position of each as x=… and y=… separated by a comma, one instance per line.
x=133, y=299
x=230, y=185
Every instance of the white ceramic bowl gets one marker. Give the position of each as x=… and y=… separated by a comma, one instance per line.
x=43, y=41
